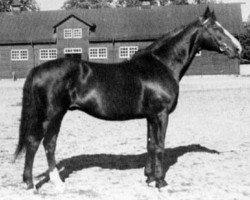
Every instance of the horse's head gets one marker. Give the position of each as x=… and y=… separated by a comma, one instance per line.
x=216, y=38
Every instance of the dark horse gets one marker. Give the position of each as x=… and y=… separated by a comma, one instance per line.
x=146, y=86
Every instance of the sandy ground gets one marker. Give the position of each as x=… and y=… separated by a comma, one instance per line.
x=104, y=160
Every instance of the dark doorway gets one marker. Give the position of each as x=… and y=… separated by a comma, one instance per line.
x=76, y=56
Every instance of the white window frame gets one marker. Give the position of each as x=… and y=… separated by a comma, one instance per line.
x=77, y=33
x=127, y=51
x=48, y=54
x=19, y=54
x=67, y=33
x=72, y=50
x=98, y=53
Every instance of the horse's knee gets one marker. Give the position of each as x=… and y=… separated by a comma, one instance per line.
x=49, y=148
x=51, y=129
x=32, y=142
x=49, y=141
x=159, y=150
x=151, y=146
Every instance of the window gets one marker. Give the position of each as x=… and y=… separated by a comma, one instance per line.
x=98, y=53
x=48, y=54
x=72, y=33
x=67, y=33
x=127, y=52
x=19, y=54
x=77, y=33
x=72, y=50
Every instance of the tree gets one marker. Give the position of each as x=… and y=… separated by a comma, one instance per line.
x=133, y=3
x=26, y=5
x=29, y=5
x=244, y=39
x=86, y=4
x=90, y=4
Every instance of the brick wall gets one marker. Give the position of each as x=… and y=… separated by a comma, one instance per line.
x=83, y=42
x=21, y=68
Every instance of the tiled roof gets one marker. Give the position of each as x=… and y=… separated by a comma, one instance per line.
x=113, y=24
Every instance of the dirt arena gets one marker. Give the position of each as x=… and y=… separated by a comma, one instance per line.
x=100, y=160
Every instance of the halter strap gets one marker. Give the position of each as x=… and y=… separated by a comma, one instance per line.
x=203, y=23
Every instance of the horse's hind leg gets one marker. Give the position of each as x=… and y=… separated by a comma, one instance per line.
x=32, y=144
x=51, y=129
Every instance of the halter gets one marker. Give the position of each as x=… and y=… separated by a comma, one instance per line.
x=222, y=46
x=203, y=23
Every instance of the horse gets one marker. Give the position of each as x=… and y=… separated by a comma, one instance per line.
x=144, y=87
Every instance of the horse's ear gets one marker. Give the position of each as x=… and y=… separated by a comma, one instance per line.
x=213, y=15
x=207, y=13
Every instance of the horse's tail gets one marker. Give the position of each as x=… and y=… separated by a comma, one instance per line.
x=28, y=114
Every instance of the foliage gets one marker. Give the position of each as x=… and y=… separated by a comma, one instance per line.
x=244, y=39
x=86, y=4
x=27, y=5
x=90, y=4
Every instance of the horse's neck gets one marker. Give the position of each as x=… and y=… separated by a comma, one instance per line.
x=178, y=51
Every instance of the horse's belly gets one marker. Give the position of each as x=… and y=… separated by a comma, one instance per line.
x=109, y=109
x=108, y=115
x=121, y=110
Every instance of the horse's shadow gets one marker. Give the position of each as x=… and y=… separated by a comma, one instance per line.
x=120, y=162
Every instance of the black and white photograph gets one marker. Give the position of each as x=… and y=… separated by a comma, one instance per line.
x=125, y=99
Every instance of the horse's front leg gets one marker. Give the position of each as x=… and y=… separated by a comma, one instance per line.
x=149, y=168
x=161, y=122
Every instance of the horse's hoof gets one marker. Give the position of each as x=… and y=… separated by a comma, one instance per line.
x=56, y=181
x=150, y=179
x=160, y=183
x=30, y=185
